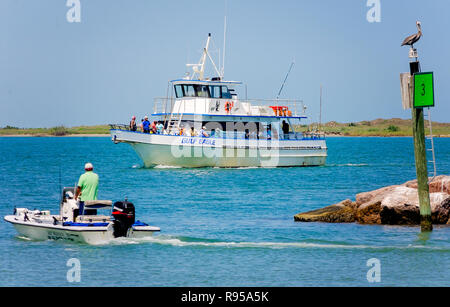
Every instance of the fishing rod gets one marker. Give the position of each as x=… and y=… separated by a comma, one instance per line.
x=61, y=197
x=287, y=75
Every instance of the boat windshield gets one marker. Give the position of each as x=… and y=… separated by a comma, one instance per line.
x=200, y=90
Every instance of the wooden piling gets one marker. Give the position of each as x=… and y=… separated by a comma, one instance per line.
x=421, y=159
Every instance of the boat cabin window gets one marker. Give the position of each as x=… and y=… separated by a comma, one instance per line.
x=200, y=90
x=188, y=90
x=178, y=91
x=225, y=93
x=215, y=91
x=218, y=91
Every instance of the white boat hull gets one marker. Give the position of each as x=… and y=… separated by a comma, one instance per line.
x=79, y=234
x=181, y=151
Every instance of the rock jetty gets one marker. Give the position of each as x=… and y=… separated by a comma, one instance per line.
x=392, y=205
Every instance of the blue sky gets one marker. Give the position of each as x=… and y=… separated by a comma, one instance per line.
x=112, y=64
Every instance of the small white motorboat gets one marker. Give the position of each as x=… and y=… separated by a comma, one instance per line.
x=86, y=226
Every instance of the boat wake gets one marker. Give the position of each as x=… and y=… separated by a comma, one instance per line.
x=23, y=238
x=193, y=242
x=138, y=166
x=166, y=166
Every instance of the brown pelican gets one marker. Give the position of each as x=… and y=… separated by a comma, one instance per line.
x=411, y=40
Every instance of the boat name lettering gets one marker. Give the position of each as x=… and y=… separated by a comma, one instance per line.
x=200, y=141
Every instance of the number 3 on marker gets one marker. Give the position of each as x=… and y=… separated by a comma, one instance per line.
x=423, y=89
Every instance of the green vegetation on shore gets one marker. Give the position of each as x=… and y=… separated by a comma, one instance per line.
x=55, y=131
x=378, y=127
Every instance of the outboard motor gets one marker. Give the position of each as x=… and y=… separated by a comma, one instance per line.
x=124, y=217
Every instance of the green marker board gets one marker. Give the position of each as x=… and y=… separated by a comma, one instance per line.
x=423, y=90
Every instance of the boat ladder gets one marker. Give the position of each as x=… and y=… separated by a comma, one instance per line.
x=430, y=146
x=174, y=120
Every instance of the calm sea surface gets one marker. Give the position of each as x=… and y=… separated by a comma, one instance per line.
x=220, y=227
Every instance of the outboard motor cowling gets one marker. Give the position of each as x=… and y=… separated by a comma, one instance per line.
x=124, y=217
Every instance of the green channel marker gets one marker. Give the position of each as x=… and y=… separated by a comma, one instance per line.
x=423, y=90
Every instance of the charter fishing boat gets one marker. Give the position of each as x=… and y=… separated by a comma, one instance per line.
x=203, y=123
x=87, y=226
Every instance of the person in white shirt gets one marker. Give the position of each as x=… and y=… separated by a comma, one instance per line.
x=203, y=133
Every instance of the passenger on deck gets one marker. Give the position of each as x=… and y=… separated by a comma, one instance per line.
x=246, y=134
x=218, y=133
x=153, y=127
x=87, y=187
x=133, y=126
x=146, y=125
x=285, y=128
x=269, y=132
x=192, y=132
x=203, y=133
x=260, y=134
x=159, y=128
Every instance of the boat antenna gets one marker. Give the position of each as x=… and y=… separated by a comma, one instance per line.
x=60, y=177
x=61, y=196
x=224, y=42
x=320, y=111
x=282, y=86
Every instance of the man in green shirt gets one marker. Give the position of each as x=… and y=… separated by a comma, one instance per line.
x=87, y=186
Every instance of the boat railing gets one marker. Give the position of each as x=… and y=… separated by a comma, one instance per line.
x=280, y=107
x=251, y=107
x=241, y=135
x=313, y=135
x=302, y=136
x=119, y=127
x=163, y=105
x=238, y=135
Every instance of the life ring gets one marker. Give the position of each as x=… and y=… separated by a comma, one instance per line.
x=228, y=106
